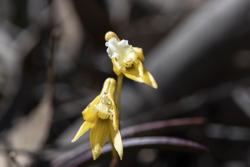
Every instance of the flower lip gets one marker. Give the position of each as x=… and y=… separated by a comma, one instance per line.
x=122, y=52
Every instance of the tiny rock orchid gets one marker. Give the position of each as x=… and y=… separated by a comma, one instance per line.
x=128, y=60
x=101, y=118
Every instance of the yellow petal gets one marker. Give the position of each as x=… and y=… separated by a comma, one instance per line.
x=149, y=79
x=90, y=113
x=139, y=53
x=83, y=129
x=140, y=74
x=116, y=141
x=133, y=73
x=98, y=136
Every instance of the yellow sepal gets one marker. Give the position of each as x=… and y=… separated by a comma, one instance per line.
x=139, y=53
x=98, y=136
x=140, y=74
x=90, y=113
x=82, y=130
x=116, y=141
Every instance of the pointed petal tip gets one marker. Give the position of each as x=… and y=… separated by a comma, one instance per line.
x=94, y=157
x=82, y=130
x=75, y=138
x=117, y=141
x=120, y=155
x=152, y=84
x=96, y=151
x=155, y=86
x=149, y=79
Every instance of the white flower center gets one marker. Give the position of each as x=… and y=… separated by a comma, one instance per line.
x=121, y=51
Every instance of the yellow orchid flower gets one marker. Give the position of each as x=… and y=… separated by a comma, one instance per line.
x=101, y=118
x=128, y=60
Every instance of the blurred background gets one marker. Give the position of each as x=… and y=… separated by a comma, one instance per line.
x=53, y=62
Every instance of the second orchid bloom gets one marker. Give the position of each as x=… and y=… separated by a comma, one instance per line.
x=127, y=60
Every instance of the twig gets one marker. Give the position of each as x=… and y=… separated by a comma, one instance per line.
x=128, y=132
x=140, y=142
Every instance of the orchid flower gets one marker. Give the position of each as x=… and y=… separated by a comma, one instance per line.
x=101, y=119
x=127, y=60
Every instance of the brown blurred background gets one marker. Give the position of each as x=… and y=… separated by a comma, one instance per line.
x=53, y=62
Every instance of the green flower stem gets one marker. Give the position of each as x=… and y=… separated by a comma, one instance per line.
x=118, y=92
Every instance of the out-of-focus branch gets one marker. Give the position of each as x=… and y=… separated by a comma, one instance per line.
x=152, y=127
x=140, y=142
x=137, y=130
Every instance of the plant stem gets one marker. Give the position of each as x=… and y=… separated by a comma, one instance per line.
x=118, y=93
x=115, y=159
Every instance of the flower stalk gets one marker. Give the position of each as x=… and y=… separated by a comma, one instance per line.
x=118, y=94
